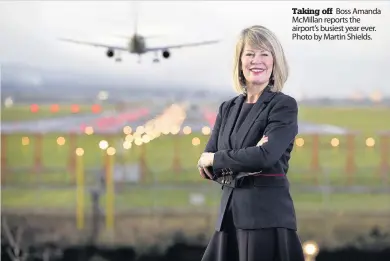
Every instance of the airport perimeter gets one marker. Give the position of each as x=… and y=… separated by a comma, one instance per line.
x=138, y=167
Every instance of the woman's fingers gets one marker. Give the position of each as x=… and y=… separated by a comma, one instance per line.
x=263, y=140
x=201, y=172
x=208, y=173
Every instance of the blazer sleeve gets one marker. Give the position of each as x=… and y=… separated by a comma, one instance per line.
x=281, y=131
x=212, y=144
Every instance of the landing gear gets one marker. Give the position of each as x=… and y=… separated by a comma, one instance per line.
x=139, y=59
x=118, y=57
x=156, y=60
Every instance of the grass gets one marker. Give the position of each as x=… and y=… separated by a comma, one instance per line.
x=367, y=120
x=141, y=198
x=159, y=160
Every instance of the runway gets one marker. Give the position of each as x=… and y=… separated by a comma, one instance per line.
x=114, y=122
x=303, y=126
x=107, y=122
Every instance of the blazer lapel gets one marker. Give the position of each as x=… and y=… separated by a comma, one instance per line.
x=231, y=119
x=259, y=106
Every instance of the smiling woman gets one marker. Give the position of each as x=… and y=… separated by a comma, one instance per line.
x=257, y=215
x=259, y=57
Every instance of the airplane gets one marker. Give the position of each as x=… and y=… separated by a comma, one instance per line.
x=137, y=45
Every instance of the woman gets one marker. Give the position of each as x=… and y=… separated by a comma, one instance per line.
x=257, y=219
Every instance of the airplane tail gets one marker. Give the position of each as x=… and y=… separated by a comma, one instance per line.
x=135, y=10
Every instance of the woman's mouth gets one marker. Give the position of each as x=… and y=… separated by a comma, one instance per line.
x=257, y=70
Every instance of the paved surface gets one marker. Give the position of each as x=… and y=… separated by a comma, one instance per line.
x=304, y=127
x=113, y=122
x=108, y=122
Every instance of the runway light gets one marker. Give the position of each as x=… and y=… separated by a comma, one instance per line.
x=335, y=142
x=140, y=129
x=60, y=141
x=370, y=142
x=54, y=108
x=111, y=151
x=25, y=141
x=187, y=130
x=127, y=145
x=310, y=249
x=138, y=141
x=89, y=130
x=206, y=130
x=195, y=141
x=127, y=130
x=129, y=138
x=79, y=152
x=175, y=130
x=300, y=142
x=34, y=108
x=103, y=95
x=74, y=108
x=103, y=144
x=96, y=108
x=8, y=102
x=145, y=138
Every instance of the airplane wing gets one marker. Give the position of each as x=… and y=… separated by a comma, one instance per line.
x=151, y=49
x=113, y=47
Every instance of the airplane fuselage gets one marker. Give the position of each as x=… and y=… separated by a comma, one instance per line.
x=137, y=44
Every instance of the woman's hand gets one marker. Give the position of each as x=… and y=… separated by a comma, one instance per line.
x=206, y=160
x=204, y=172
x=263, y=140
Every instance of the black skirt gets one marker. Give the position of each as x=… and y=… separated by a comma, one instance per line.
x=269, y=244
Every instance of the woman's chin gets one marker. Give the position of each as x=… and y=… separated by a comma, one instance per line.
x=257, y=82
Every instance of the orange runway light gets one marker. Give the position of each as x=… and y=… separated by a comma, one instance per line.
x=34, y=108
x=25, y=141
x=60, y=141
x=54, y=108
x=74, y=108
x=96, y=108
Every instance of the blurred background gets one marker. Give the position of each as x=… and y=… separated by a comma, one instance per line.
x=104, y=114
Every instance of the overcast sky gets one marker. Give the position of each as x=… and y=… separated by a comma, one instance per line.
x=28, y=32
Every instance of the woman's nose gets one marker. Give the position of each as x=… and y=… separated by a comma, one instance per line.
x=257, y=59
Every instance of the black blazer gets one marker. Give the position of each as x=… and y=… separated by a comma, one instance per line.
x=267, y=203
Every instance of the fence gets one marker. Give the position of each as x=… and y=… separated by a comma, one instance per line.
x=174, y=155
x=119, y=173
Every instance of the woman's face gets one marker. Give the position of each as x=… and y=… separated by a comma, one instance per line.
x=257, y=65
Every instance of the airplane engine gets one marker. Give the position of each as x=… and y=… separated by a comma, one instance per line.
x=110, y=53
x=166, y=54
